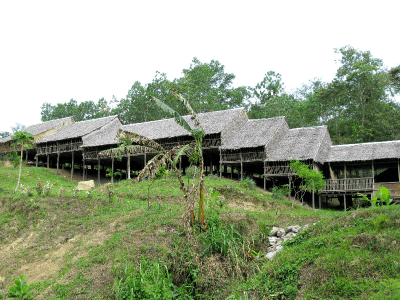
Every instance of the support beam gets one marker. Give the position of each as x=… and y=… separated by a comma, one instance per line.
x=345, y=181
x=265, y=179
x=289, y=188
x=128, y=167
x=344, y=202
x=98, y=169
x=241, y=166
x=58, y=161
x=144, y=160
x=211, y=165
x=72, y=165
x=26, y=159
x=112, y=170
x=83, y=168
x=313, y=198
x=37, y=158
x=48, y=159
x=220, y=164
x=231, y=172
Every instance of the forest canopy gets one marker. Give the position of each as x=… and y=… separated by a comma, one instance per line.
x=358, y=105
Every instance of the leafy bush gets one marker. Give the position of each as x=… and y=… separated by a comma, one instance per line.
x=192, y=171
x=248, y=183
x=26, y=190
x=151, y=280
x=280, y=192
x=47, y=188
x=20, y=290
x=39, y=187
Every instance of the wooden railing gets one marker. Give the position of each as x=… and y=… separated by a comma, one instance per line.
x=279, y=171
x=61, y=148
x=349, y=184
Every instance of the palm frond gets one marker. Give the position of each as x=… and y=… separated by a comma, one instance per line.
x=188, y=108
x=140, y=139
x=178, y=118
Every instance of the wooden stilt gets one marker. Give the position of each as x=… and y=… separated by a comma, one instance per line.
x=313, y=198
x=112, y=170
x=220, y=164
x=98, y=170
x=265, y=179
x=48, y=160
x=231, y=172
x=289, y=187
x=319, y=201
x=58, y=161
x=345, y=202
x=26, y=159
x=83, y=168
x=37, y=158
x=128, y=167
x=72, y=165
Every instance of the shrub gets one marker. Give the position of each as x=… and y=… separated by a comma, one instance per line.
x=26, y=190
x=20, y=290
x=192, y=171
x=47, y=188
x=248, y=183
x=280, y=192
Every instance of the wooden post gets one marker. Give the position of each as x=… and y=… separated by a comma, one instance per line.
x=144, y=160
x=319, y=201
x=98, y=169
x=289, y=187
x=313, y=198
x=37, y=160
x=48, y=158
x=241, y=166
x=345, y=181
x=83, y=167
x=112, y=170
x=220, y=164
x=265, y=179
x=72, y=165
x=211, y=165
x=180, y=163
x=58, y=161
x=129, y=166
x=344, y=201
x=231, y=172
x=26, y=159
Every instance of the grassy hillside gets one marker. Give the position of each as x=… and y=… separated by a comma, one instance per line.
x=132, y=244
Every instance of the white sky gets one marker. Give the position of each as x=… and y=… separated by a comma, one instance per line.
x=52, y=51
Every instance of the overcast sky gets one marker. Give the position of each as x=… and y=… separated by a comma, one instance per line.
x=52, y=51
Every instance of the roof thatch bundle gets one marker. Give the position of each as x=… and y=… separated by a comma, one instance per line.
x=254, y=133
x=212, y=122
x=302, y=144
x=364, y=151
x=38, y=129
x=80, y=129
x=105, y=135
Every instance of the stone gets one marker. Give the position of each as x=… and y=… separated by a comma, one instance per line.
x=271, y=255
x=104, y=187
x=279, y=248
x=294, y=229
x=274, y=231
x=86, y=185
x=281, y=232
x=273, y=240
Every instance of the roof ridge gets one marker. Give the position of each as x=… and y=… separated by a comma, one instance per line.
x=320, y=143
x=113, y=116
x=101, y=128
x=368, y=143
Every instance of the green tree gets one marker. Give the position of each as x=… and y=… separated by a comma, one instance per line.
x=4, y=134
x=17, y=127
x=25, y=140
x=351, y=102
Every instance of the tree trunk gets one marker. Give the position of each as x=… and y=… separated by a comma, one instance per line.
x=20, y=167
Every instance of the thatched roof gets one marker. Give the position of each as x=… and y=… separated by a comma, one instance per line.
x=106, y=135
x=254, y=133
x=40, y=128
x=365, y=151
x=302, y=144
x=79, y=129
x=212, y=122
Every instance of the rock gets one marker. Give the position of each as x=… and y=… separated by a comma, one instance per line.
x=281, y=232
x=304, y=227
x=86, y=185
x=279, y=248
x=104, y=187
x=276, y=231
x=294, y=229
x=271, y=255
x=273, y=240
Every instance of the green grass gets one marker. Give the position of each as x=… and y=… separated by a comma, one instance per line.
x=80, y=247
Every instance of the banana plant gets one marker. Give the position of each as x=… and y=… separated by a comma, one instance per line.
x=384, y=195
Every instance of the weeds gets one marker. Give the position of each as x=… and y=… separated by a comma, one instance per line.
x=248, y=183
x=20, y=290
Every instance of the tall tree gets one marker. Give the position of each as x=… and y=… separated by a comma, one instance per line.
x=17, y=127
x=353, y=99
x=4, y=134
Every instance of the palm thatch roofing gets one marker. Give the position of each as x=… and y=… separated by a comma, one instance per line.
x=40, y=128
x=254, y=133
x=365, y=151
x=212, y=122
x=79, y=129
x=106, y=135
x=302, y=144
